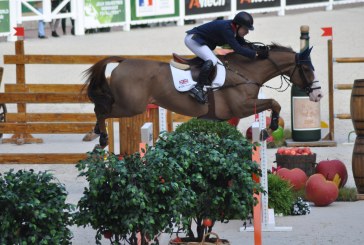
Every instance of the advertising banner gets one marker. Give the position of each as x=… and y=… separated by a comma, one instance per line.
x=4, y=16
x=151, y=9
x=193, y=7
x=294, y=2
x=254, y=4
x=103, y=12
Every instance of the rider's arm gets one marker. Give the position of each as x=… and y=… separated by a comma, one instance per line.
x=237, y=47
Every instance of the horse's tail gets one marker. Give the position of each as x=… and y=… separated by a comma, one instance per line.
x=98, y=90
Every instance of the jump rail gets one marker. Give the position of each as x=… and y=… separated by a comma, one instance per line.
x=23, y=124
x=331, y=61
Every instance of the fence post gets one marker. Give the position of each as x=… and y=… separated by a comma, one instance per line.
x=331, y=135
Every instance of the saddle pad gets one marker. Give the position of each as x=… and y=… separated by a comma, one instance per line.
x=183, y=81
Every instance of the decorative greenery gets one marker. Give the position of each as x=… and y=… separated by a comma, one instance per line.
x=128, y=195
x=33, y=209
x=300, y=207
x=347, y=194
x=216, y=160
x=202, y=170
x=280, y=196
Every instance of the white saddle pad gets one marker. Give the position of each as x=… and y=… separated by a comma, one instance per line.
x=183, y=79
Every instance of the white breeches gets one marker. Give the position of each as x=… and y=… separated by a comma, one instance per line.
x=201, y=51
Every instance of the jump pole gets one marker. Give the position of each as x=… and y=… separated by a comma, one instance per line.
x=263, y=217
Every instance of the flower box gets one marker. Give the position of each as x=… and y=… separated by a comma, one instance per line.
x=305, y=162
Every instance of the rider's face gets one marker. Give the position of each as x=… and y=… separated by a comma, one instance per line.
x=242, y=31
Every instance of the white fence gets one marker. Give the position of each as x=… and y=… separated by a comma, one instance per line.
x=107, y=13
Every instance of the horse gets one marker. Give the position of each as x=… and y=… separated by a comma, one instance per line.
x=135, y=83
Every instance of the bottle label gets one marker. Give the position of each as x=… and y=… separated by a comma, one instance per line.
x=306, y=114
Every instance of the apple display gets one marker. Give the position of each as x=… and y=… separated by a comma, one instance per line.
x=297, y=177
x=329, y=168
x=320, y=191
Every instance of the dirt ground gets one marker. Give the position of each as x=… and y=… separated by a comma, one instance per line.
x=339, y=223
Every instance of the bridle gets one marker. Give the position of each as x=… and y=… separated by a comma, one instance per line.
x=299, y=66
x=299, y=63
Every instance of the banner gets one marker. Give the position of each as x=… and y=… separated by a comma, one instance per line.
x=254, y=4
x=295, y=2
x=193, y=7
x=4, y=16
x=151, y=9
x=103, y=12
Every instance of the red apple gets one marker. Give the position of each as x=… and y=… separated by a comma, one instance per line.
x=234, y=121
x=297, y=177
x=320, y=191
x=249, y=133
x=108, y=234
x=329, y=168
x=281, y=150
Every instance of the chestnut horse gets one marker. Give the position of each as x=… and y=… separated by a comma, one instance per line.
x=136, y=83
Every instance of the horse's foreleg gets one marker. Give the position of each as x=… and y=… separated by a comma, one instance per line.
x=258, y=105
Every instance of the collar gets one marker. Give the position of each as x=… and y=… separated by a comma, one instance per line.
x=233, y=26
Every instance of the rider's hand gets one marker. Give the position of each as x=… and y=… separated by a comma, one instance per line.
x=262, y=54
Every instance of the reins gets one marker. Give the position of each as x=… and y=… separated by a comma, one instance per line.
x=284, y=78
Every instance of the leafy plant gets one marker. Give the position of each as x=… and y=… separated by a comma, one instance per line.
x=202, y=170
x=127, y=195
x=33, y=209
x=280, y=196
x=347, y=194
x=216, y=160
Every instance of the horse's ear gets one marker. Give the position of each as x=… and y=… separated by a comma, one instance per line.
x=305, y=53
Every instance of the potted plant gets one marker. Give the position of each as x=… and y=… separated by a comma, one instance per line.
x=215, y=159
x=127, y=196
x=33, y=209
x=202, y=172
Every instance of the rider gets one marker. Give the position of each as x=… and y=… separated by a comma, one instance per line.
x=202, y=39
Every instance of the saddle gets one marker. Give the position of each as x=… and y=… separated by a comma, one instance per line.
x=193, y=64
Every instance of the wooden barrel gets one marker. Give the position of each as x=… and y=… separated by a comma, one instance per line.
x=357, y=106
x=358, y=164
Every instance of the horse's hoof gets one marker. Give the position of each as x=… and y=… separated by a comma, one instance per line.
x=274, y=124
x=90, y=136
x=263, y=135
x=104, y=140
x=98, y=147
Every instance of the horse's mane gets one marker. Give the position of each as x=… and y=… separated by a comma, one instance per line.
x=279, y=48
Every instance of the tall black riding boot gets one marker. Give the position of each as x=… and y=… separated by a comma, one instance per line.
x=197, y=92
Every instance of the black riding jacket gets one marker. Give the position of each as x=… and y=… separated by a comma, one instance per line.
x=218, y=33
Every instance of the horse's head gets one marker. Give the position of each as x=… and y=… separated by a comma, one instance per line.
x=303, y=75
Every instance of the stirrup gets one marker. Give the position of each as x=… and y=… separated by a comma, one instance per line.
x=199, y=95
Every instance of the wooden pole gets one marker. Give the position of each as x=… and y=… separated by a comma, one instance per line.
x=349, y=60
x=331, y=135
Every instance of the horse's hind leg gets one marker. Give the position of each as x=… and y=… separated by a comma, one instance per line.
x=101, y=128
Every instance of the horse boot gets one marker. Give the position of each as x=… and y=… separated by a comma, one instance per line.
x=197, y=92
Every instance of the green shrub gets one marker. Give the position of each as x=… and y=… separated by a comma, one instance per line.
x=280, y=196
x=127, y=195
x=33, y=209
x=216, y=161
x=347, y=194
x=202, y=170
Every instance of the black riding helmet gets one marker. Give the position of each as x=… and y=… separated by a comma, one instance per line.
x=244, y=19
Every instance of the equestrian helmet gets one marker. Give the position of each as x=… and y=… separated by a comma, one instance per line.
x=244, y=19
